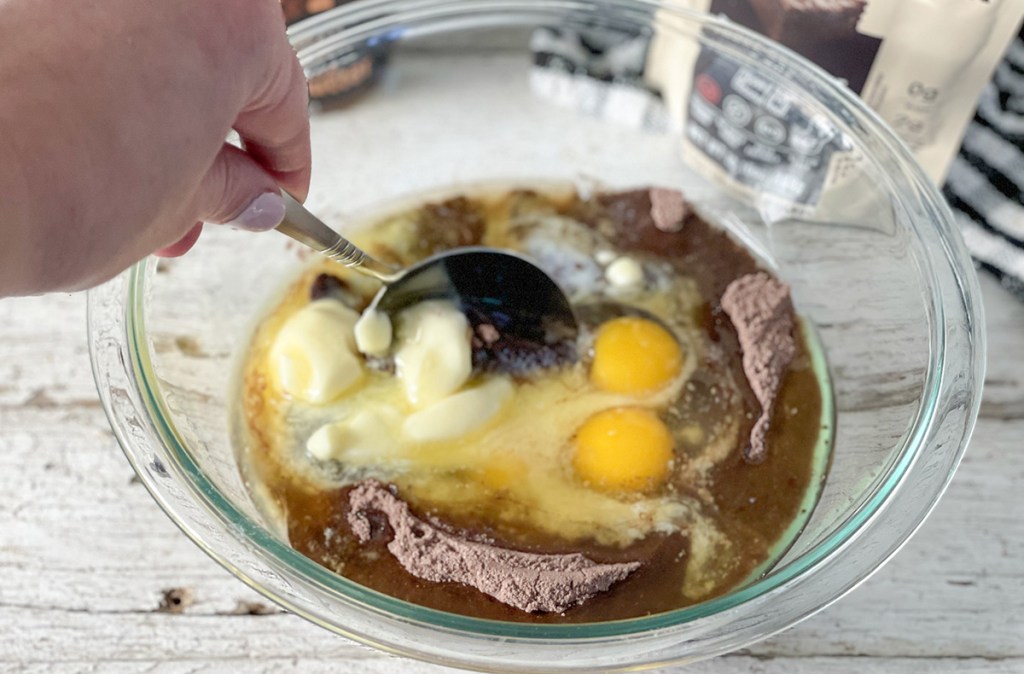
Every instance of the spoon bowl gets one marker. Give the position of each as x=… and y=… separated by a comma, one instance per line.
x=521, y=319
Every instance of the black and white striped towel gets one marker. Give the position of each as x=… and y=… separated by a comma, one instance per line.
x=986, y=181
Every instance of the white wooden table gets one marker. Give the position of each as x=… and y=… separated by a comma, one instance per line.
x=94, y=577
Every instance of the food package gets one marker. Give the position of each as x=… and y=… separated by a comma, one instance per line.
x=920, y=64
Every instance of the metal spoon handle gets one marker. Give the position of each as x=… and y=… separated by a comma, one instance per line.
x=309, y=230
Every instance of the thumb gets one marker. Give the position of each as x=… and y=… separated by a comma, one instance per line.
x=239, y=192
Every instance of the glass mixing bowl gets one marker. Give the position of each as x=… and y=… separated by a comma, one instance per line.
x=876, y=266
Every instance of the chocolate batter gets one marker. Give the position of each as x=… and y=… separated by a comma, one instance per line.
x=753, y=392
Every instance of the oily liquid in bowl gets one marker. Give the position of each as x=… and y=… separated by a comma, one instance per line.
x=717, y=522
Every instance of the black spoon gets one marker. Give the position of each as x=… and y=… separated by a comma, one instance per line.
x=521, y=319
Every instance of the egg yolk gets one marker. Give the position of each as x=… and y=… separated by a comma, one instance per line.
x=624, y=449
x=634, y=355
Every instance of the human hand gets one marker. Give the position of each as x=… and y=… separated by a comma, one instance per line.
x=113, y=122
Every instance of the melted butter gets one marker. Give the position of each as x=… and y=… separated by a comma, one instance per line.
x=433, y=359
x=532, y=443
x=373, y=333
x=459, y=414
x=524, y=432
x=360, y=438
x=510, y=459
x=313, y=357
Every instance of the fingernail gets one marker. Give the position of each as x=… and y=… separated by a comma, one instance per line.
x=265, y=212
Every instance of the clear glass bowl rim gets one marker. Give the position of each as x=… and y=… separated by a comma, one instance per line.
x=946, y=376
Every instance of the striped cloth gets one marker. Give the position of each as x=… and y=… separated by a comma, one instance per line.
x=986, y=181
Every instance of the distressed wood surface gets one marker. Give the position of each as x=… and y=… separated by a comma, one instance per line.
x=93, y=576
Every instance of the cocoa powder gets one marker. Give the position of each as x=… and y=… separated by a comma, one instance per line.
x=760, y=308
x=524, y=580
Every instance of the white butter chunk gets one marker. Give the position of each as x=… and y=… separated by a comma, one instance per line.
x=373, y=333
x=314, y=357
x=363, y=438
x=433, y=359
x=459, y=414
x=625, y=272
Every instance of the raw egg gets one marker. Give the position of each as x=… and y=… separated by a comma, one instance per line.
x=623, y=449
x=634, y=355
